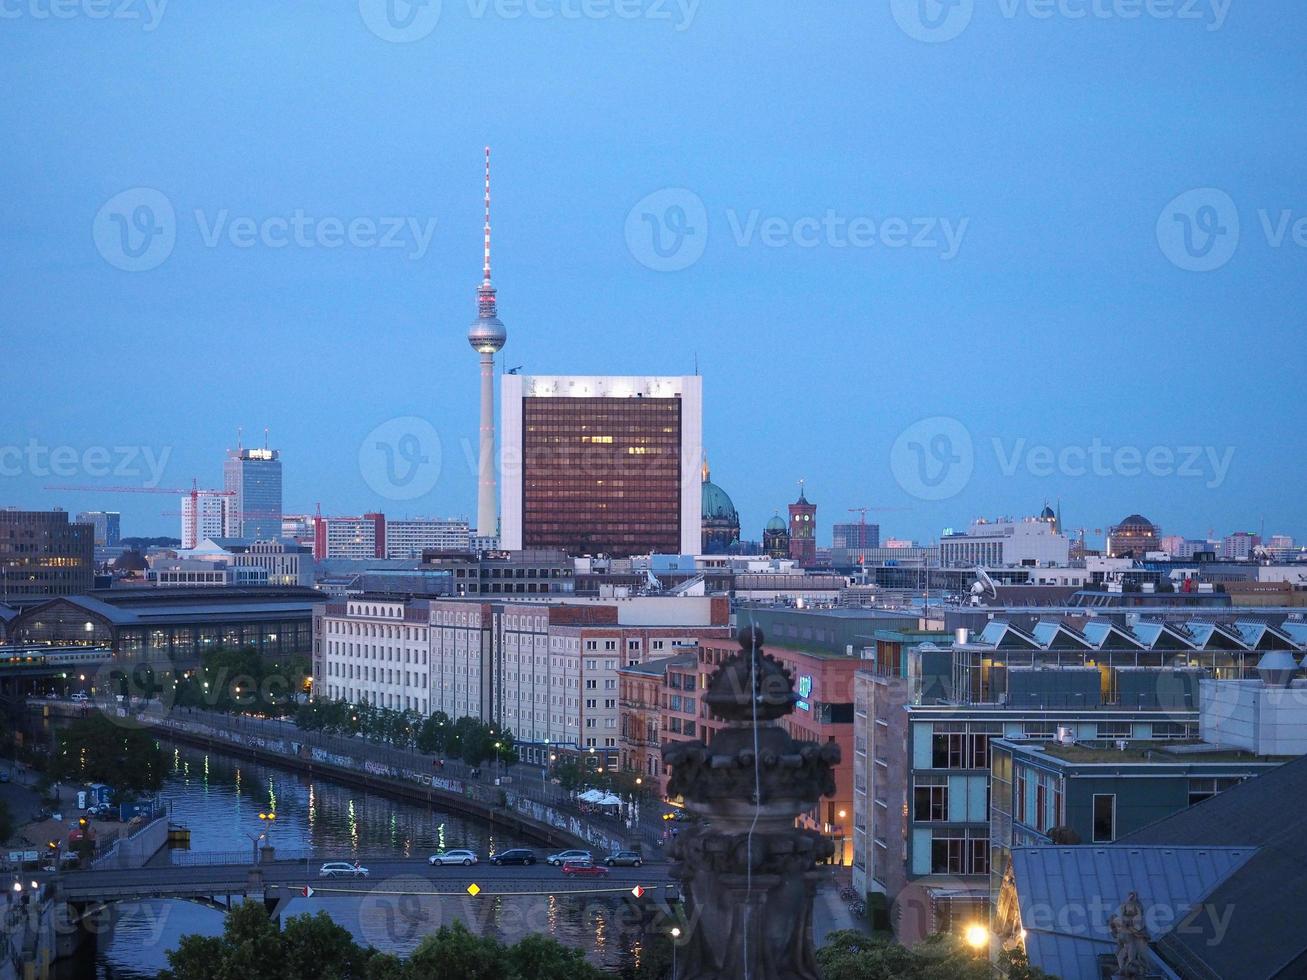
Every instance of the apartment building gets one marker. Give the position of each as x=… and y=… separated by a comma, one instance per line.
x=375, y=649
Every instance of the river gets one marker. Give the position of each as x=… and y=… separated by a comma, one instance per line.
x=220, y=798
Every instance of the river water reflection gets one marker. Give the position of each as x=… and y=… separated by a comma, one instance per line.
x=220, y=798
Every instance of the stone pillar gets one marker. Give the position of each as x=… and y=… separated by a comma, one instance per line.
x=748, y=875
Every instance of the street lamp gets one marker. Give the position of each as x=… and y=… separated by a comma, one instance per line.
x=676, y=939
x=497, y=746
x=977, y=936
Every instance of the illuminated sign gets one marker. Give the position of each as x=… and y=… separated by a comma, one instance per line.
x=804, y=691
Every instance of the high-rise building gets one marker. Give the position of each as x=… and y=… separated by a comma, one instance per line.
x=42, y=554
x=853, y=536
x=803, y=530
x=603, y=465
x=253, y=477
x=206, y=514
x=107, y=526
x=1240, y=544
x=349, y=537
x=487, y=337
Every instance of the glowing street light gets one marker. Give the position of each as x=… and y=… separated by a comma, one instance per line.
x=977, y=936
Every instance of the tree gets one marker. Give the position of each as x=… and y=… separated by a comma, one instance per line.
x=433, y=732
x=95, y=749
x=850, y=955
x=538, y=957
x=311, y=947
x=315, y=947
x=453, y=953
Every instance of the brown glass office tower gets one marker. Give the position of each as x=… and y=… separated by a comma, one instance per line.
x=602, y=466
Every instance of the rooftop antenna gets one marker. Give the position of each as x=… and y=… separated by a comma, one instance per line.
x=696, y=364
x=265, y=437
x=240, y=430
x=486, y=300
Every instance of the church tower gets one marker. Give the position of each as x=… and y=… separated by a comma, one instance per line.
x=803, y=530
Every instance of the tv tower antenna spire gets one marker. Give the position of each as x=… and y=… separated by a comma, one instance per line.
x=487, y=337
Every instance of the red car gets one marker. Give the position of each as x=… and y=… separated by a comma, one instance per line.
x=573, y=869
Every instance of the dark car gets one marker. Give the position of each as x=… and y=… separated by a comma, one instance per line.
x=517, y=855
x=631, y=859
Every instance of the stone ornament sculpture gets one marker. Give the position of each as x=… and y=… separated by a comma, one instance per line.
x=747, y=874
x=1131, y=937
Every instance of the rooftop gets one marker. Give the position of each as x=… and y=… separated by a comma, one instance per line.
x=1158, y=752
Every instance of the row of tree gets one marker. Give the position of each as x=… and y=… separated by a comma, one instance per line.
x=470, y=739
x=312, y=947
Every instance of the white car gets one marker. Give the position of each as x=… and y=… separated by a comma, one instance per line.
x=342, y=869
x=568, y=857
x=462, y=857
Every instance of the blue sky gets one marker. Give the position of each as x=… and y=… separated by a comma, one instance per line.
x=864, y=223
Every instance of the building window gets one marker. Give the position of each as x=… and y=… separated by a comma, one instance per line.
x=1104, y=818
x=1115, y=729
x=1207, y=787
x=930, y=802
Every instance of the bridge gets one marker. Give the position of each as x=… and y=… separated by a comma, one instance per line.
x=276, y=883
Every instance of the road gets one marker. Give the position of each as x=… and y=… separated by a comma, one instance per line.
x=386, y=874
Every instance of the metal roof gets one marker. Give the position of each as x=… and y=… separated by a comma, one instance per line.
x=1067, y=894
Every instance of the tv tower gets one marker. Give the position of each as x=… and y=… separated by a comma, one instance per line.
x=487, y=336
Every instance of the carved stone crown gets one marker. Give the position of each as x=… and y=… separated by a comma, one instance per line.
x=750, y=684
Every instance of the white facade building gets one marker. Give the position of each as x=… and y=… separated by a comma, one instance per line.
x=408, y=538
x=206, y=515
x=285, y=562
x=1005, y=542
x=376, y=650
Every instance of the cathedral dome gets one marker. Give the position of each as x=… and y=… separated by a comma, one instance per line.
x=717, y=504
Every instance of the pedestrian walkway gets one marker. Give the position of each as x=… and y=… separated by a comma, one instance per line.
x=830, y=913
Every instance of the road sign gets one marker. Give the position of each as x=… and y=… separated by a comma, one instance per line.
x=474, y=889
x=307, y=891
x=638, y=891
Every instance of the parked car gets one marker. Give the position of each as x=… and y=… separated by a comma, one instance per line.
x=80, y=696
x=342, y=869
x=453, y=857
x=631, y=859
x=584, y=869
x=562, y=857
x=516, y=855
